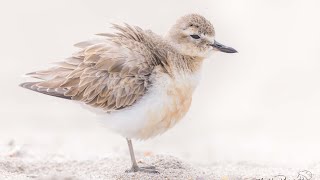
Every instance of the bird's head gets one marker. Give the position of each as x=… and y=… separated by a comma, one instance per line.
x=193, y=35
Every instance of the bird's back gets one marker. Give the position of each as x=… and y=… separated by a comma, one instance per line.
x=110, y=74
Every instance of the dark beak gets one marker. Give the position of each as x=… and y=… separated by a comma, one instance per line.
x=223, y=48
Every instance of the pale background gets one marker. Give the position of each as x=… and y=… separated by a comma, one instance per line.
x=261, y=105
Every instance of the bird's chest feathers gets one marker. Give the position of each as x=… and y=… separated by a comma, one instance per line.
x=182, y=87
x=173, y=104
x=180, y=97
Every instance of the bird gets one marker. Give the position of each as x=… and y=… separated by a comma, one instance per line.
x=139, y=83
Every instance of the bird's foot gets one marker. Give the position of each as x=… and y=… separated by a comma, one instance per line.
x=147, y=169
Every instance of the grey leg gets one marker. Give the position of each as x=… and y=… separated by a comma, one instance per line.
x=135, y=167
x=133, y=159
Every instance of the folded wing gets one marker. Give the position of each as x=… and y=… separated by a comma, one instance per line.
x=111, y=74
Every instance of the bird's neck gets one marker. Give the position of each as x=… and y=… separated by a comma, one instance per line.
x=183, y=64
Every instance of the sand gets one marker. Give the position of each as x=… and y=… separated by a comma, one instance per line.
x=18, y=165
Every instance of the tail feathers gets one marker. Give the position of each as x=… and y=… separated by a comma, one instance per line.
x=57, y=92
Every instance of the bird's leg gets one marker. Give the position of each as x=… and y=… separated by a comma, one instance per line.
x=135, y=167
x=133, y=159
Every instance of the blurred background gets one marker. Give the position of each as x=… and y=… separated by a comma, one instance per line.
x=260, y=105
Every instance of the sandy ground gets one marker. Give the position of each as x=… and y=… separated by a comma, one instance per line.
x=19, y=163
x=169, y=168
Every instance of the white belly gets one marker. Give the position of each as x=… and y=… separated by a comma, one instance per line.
x=165, y=103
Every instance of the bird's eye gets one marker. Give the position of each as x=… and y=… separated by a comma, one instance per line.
x=194, y=36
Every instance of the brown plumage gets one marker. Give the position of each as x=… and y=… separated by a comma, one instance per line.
x=110, y=74
x=115, y=72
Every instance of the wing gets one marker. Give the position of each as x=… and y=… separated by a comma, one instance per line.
x=111, y=74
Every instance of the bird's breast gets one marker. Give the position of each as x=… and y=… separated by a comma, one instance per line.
x=175, y=102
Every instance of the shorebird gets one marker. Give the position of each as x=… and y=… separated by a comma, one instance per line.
x=139, y=83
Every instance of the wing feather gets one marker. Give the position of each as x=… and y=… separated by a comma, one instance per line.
x=111, y=74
